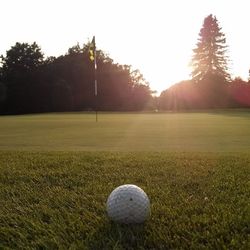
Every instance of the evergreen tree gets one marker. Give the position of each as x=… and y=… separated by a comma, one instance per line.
x=209, y=59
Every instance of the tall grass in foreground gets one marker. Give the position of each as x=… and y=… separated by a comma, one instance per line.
x=57, y=200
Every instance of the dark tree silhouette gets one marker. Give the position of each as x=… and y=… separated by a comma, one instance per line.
x=65, y=83
x=3, y=94
x=21, y=58
x=239, y=92
x=209, y=57
x=20, y=75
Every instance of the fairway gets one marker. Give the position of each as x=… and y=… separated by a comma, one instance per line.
x=227, y=131
x=57, y=171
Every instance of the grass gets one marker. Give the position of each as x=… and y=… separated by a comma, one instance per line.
x=197, y=132
x=57, y=200
x=57, y=170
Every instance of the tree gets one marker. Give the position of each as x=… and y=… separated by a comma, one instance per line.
x=2, y=96
x=22, y=57
x=119, y=87
x=19, y=73
x=66, y=82
x=239, y=92
x=209, y=57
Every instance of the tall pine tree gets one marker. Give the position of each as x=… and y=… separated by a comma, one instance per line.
x=209, y=59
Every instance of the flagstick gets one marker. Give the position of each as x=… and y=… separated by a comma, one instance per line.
x=96, y=111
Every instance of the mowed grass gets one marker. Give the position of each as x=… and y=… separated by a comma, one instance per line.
x=57, y=170
x=227, y=131
x=57, y=200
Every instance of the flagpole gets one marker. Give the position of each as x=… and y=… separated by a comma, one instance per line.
x=95, y=79
x=92, y=56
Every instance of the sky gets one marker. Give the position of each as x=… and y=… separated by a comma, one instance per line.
x=155, y=36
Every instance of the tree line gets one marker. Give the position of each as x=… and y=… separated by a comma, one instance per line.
x=211, y=85
x=31, y=83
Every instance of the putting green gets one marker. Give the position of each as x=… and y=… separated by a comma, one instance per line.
x=225, y=131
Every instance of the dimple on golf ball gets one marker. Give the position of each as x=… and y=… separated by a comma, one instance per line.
x=128, y=204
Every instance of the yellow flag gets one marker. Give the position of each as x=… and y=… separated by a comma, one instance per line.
x=92, y=49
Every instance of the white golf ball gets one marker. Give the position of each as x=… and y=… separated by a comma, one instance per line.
x=128, y=204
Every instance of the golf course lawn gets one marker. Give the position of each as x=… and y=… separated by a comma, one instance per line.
x=57, y=171
x=227, y=131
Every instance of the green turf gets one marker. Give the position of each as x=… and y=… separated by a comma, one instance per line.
x=57, y=200
x=198, y=132
x=195, y=168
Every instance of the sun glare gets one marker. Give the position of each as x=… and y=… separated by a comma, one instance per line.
x=162, y=61
x=156, y=37
x=163, y=76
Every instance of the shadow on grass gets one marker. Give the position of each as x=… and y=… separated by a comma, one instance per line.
x=112, y=235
